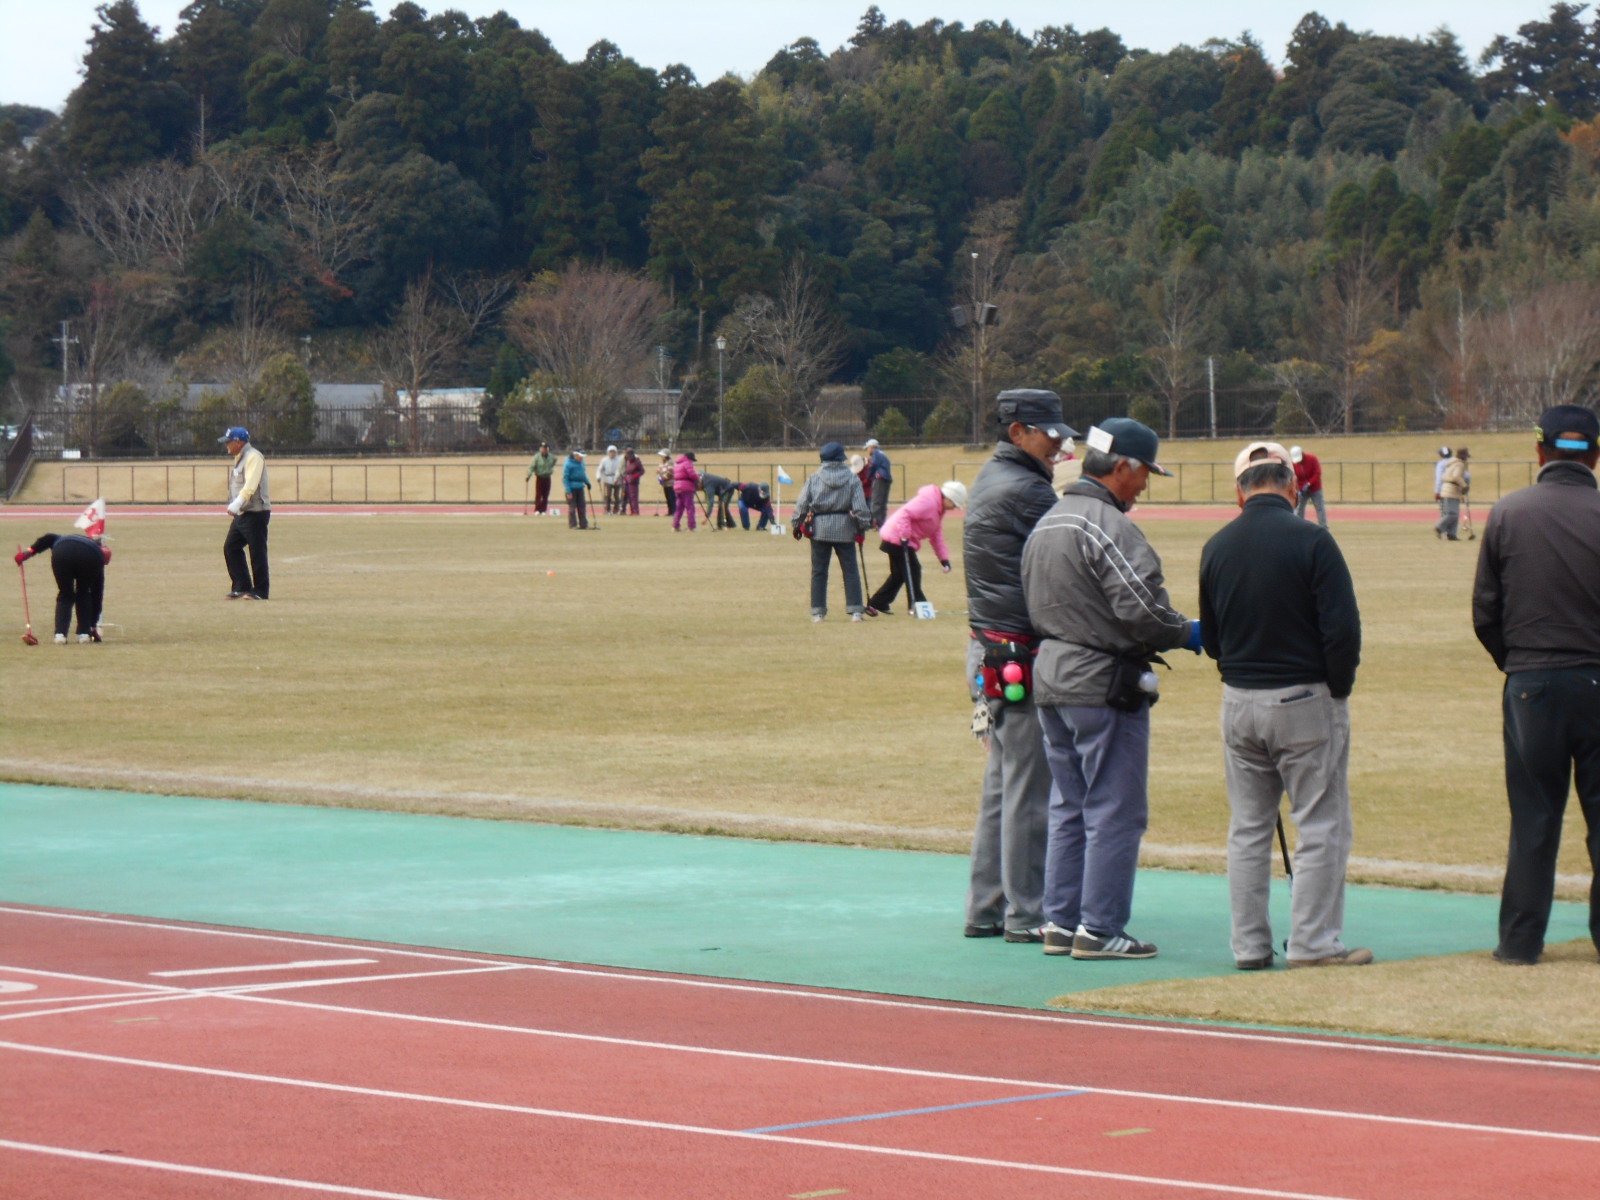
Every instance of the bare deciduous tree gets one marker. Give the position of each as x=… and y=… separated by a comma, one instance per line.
x=1354, y=300
x=797, y=338
x=1540, y=350
x=329, y=219
x=1176, y=303
x=424, y=336
x=588, y=331
x=148, y=217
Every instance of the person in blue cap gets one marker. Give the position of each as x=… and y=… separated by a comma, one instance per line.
x=251, y=510
x=1097, y=598
x=1536, y=609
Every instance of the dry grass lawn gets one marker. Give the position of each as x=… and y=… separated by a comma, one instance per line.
x=500, y=666
x=1466, y=998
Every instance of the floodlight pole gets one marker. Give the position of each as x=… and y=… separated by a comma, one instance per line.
x=722, y=344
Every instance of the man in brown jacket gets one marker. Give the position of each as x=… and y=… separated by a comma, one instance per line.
x=1536, y=609
x=1453, y=487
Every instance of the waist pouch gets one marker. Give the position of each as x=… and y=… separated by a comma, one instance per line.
x=1124, y=693
x=1001, y=650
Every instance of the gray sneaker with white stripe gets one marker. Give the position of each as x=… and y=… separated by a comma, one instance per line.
x=1089, y=945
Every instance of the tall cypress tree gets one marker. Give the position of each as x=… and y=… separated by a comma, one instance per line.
x=128, y=109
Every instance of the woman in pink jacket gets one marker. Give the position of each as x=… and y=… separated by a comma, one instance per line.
x=685, y=483
x=920, y=517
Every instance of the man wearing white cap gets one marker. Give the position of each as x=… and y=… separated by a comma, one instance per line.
x=608, y=474
x=879, y=479
x=1279, y=616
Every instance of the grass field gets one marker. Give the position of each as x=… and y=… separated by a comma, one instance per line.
x=499, y=666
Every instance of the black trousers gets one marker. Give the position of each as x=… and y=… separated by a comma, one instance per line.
x=541, y=493
x=249, y=529
x=904, y=571
x=80, y=571
x=578, y=508
x=1552, y=734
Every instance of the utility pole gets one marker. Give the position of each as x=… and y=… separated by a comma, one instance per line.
x=1211, y=389
x=722, y=344
x=977, y=335
x=65, y=341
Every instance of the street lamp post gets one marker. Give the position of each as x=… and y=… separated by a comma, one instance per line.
x=722, y=344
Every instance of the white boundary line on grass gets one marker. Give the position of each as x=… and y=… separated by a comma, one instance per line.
x=669, y=1126
x=953, y=1008
x=246, y=993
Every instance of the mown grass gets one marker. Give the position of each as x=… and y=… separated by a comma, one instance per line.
x=508, y=667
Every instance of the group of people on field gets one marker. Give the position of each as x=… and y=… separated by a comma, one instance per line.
x=1070, y=617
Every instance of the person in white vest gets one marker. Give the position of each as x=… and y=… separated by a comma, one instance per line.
x=251, y=509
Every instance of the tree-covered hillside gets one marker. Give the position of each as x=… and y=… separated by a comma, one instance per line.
x=1378, y=232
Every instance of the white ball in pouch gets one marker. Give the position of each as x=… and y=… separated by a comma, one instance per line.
x=1150, y=683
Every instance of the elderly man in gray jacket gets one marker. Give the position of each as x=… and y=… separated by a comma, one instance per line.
x=832, y=506
x=1011, y=493
x=1096, y=595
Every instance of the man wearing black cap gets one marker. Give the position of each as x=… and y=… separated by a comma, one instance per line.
x=1536, y=609
x=540, y=470
x=1096, y=596
x=1011, y=493
x=251, y=509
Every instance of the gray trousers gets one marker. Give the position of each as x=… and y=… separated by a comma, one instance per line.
x=1314, y=499
x=1013, y=811
x=1296, y=740
x=1100, y=760
x=1449, y=517
x=879, y=501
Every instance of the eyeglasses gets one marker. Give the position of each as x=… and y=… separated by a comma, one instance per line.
x=1056, y=438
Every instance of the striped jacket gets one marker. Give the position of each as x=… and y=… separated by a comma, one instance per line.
x=1094, y=590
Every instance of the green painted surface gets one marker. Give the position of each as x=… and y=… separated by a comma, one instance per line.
x=871, y=920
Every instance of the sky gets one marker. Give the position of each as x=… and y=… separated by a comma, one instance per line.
x=42, y=42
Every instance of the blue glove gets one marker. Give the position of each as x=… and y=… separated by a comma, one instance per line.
x=1192, y=642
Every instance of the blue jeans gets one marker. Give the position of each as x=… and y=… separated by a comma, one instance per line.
x=766, y=515
x=1100, y=760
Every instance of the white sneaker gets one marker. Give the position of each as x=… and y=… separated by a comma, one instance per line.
x=815, y=619
x=83, y=639
x=856, y=617
x=61, y=639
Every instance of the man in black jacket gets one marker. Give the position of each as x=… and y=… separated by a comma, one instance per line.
x=1011, y=493
x=1536, y=609
x=1278, y=613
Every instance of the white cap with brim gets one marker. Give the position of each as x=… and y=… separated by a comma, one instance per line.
x=1257, y=453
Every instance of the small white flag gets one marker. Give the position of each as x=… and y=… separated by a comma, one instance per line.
x=92, y=520
x=783, y=476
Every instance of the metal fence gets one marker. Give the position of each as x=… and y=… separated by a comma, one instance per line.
x=404, y=481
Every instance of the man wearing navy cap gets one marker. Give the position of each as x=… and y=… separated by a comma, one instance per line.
x=251, y=509
x=1005, y=897
x=1096, y=595
x=1536, y=609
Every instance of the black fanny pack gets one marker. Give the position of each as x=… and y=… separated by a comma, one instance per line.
x=1133, y=684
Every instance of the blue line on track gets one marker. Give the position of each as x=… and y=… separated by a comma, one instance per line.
x=913, y=1112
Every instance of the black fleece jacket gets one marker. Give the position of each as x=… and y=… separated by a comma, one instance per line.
x=1010, y=494
x=1277, y=607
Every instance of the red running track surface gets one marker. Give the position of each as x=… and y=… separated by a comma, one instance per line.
x=149, y=1059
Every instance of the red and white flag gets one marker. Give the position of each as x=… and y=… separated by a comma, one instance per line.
x=92, y=520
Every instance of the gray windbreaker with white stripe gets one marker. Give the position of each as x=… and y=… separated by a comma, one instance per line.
x=1094, y=590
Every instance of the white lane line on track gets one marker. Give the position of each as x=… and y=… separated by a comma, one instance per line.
x=288, y=966
x=951, y=1008
x=123, y=1160
x=673, y=1127
x=801, y=1061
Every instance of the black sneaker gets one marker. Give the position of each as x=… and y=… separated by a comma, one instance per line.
x=236, y=595
x=1255, y=964
x=1089, y=945
x=993, y=930
x=1057, y=940
x=1025, y=935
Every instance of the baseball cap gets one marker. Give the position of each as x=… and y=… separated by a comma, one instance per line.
x=1270, y=452
x=1126, y=437
x=1296, y=454
x=663, y=454
x=1445, y=451
x=1038, y=407
x=1569, y=427
x=235, y=433
x=869, y=443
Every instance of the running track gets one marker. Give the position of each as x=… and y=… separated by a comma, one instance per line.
x=151, y=1059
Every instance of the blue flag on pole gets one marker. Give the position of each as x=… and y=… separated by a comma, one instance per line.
x=783, y=476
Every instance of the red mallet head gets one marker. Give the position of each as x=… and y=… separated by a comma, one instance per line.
x=1011, y=672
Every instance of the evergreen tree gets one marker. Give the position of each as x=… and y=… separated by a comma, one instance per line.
x=1553, y=62
x=210, y=53
x=128, y=109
